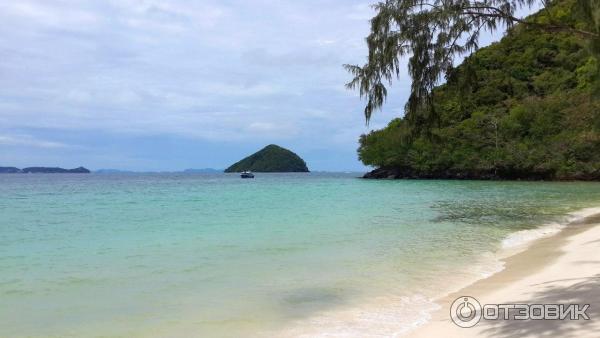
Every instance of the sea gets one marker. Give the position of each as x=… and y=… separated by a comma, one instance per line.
x=281, y=255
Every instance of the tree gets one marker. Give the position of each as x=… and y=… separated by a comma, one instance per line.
x=432, y=33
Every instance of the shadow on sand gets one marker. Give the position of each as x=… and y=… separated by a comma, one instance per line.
x=586, y=291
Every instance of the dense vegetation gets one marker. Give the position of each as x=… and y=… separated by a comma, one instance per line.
x=431, y=34
x=525, y=107
x=271, y=158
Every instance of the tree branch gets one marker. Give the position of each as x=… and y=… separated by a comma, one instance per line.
x=548, y=27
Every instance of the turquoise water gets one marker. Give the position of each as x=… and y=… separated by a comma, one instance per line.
x=283, y=254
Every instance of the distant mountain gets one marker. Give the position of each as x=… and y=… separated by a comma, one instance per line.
x=54, y=170
x=113, y=171
x=272, y=158
x=187, y=171
x=9, y=170
x=203, y=171
x=43, y=170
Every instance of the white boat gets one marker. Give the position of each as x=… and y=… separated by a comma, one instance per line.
x=247, y=174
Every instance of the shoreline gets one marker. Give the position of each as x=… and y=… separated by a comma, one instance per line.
x=560, y=268
x=410, y=315
x=400, y=173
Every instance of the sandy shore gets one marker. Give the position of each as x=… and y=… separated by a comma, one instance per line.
x=562, y=269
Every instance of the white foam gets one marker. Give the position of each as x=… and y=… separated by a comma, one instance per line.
x=583, y=213
x=524, y=237
x=489, y=264
x=382, y=317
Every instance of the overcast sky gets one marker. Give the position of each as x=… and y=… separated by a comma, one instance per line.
x=169, y=85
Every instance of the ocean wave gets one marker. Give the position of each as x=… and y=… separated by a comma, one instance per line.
x=524, y=237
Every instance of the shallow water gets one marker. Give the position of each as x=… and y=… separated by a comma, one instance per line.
x=214, y=255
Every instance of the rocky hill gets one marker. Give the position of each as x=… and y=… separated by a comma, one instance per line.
x=272, y=158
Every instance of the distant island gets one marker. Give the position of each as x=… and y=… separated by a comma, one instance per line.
x=113, y=171
x=43, y=170
x=270, y=159
x=203, y=171
x=186, y=171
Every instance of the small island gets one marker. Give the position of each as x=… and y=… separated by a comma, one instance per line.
x=43, y=170
x=271, y=159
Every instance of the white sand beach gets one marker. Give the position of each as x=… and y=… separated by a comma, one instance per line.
x=562, y=269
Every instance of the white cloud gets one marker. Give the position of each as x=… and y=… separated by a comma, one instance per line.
x=236, y=71
x=174, y=67
x=29, y=141
x=218, y=71
x=262, y=127
x=45, y=14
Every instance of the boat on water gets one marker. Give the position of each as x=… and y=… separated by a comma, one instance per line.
x=247, y=174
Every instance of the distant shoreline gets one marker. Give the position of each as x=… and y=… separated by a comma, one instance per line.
x=43, y=170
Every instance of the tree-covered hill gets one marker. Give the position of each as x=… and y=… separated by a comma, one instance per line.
x=525, y=107
x=272, y=158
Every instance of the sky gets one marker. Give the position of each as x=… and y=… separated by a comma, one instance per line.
x=167, y=85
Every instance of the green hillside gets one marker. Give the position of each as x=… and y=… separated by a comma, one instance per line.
x=524, y=107
x=272, y=158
